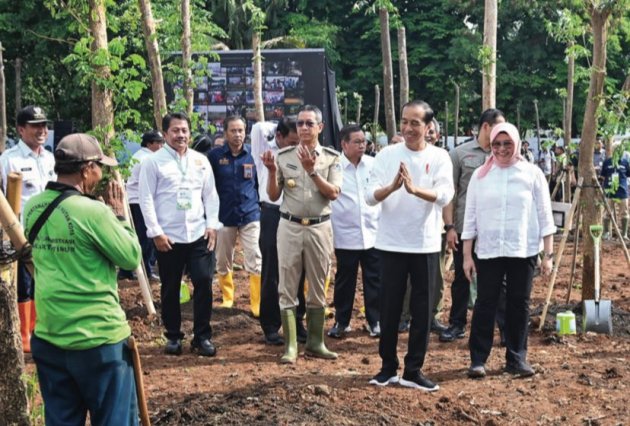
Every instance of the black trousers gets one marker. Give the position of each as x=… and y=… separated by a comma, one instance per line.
x=422, y=271
x=518, y=274
x=348, y=262
x=146, y=243
x=199, y=262
x=25, y=284
x=270, y=320
x=460, y=288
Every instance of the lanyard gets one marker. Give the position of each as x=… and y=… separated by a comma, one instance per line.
x=183, y=170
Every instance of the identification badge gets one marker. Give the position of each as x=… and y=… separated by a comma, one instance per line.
x=248, y=171
x=184, y=199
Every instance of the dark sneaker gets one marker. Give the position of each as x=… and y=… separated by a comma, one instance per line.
x=338, y=331
x=520, y=370
x=416, y=380
x=203, y=347
x=403, y=326
x=476, y=371
x=452, y=333
x=173, y=347
x=375, y=331
x=301, y=332
x=384, y=378
x=274, y=339
x=437, y=327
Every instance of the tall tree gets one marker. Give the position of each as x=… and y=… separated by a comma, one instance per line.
x=155, y=62
x=187, y=56
x=489, y=55
x=3, y=104
x=102, y=100
x=600, y=12
x=402, y=66
x=388, y=73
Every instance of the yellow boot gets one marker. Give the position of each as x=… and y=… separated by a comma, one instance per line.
x=226, y=283
x=24, y=310
x=328, y=312
x=254, y=294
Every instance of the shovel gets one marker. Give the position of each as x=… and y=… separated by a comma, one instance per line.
x=597, y=313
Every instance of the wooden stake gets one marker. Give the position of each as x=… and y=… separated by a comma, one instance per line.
x=576, y=242
x=563, y=241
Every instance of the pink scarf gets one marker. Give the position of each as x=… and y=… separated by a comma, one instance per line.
x=512, y=132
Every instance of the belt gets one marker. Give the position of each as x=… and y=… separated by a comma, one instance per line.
x=269, y=205
x=306, y=221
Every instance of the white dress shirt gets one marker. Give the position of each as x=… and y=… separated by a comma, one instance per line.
x=162, y=177
x=409, y=224
x=354, y=221
x=508, y=211
x=261, y=143
x=36, y=169
x=134, y=178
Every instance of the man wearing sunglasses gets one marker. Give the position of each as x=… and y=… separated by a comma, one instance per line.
x=309, y=177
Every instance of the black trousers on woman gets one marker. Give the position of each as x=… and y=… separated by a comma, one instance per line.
x=518, y=273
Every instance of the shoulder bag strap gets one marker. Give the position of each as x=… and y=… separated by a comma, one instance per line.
x=46, y=214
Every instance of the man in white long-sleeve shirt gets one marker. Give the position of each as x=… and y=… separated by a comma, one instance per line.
x=412, y=181
x=180, y=206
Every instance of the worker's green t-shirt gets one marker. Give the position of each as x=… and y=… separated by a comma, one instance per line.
x=75, y=256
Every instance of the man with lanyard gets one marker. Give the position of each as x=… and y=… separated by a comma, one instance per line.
x=310, y=178
x=151, y=142
x=80, y=341
x=274, y=137
x=412, y=181
x=36, y=165
x=239, y=212
x=465, y=158
x=180, y=206
x=354, y=231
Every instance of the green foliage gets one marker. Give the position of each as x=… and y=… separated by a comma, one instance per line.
x=34, y=399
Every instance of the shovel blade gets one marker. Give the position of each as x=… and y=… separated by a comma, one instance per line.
x=597, y=316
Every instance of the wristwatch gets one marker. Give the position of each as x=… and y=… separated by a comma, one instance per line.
x=313, y=173
x=448, y=227
x=548, y=255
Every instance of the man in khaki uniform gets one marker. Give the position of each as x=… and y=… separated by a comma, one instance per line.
x=310, y=177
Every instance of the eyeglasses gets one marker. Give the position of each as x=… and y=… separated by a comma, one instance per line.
x=499, y=144
x=307, y=123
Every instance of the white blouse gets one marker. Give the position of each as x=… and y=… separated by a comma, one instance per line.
x=508, y=211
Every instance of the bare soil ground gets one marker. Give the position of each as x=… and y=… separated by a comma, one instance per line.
x=580, y=379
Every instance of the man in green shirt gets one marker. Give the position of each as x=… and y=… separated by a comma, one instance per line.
x=80, y=340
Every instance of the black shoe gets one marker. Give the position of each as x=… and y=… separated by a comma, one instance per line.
x=203, y=347
x=301, y=332
x=403, y=326
x=452, y=333
x=502, y=336
x=437, y=327
x=416, y=380
x=520, y=370
x=274, y=339
x=338, y=331
x=476, y=371
x=173, y=347
x=384, y=378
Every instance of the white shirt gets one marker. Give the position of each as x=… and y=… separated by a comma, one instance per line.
x=508, y=211
x=545, y=160
x=261, y=132
x=134, y=178
x=354, y=221
x=36, y=169
x=162, y=179
x=409, y=224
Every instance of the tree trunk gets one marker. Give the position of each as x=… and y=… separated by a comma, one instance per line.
x=13, y=400
x=187, y=57
x=568, y=122
x=102, y=100
x=377, y=106
x=538, y=124
x=359, y=103
x=18, y=85
x=456, y=130
x=490, y=65
x=155, y=62
x=592, y=210
x=446, y=126
x=3, y=105
x=257, y=59
x=403, y=67
x=388, y=75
